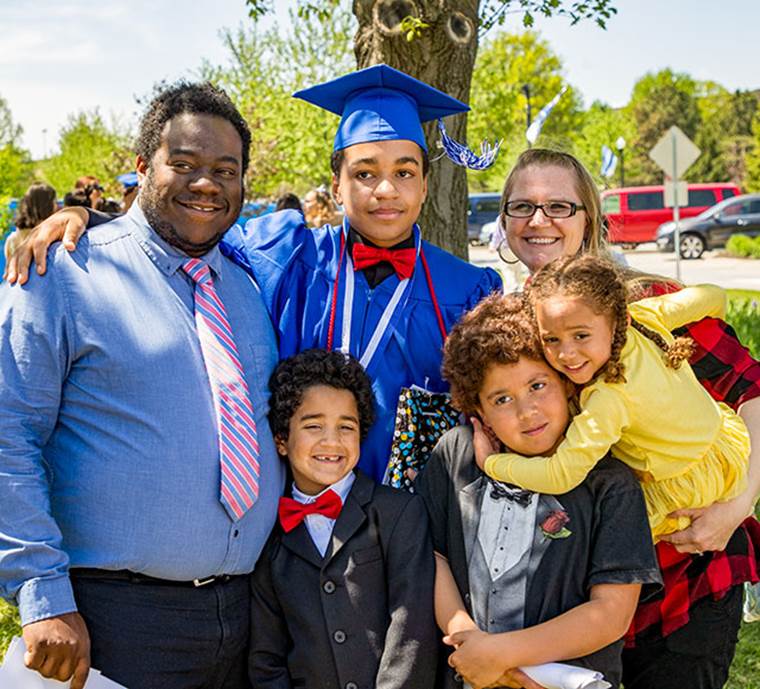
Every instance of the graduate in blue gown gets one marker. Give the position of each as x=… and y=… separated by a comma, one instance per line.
x=372, y=287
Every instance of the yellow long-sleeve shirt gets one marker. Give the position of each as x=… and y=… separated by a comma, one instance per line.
x=660, y=421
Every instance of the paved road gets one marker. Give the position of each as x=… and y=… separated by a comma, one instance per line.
x=730, y=273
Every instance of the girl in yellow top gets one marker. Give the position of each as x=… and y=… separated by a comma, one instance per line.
x=639, y=396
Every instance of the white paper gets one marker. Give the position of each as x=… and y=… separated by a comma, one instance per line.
x=563, y=676
x=15, y=675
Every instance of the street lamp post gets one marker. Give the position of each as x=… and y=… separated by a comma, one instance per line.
x=528, y=118
x=620, y=145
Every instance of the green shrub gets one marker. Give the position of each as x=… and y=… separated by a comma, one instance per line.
x=6, y=218
x=743, y=246
x=744, y=316
x=9, y=625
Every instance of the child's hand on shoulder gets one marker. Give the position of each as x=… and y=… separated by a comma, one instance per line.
x=479, y=657
x=484, y=442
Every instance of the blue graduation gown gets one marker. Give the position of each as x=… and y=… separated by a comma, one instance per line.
x=295, y=268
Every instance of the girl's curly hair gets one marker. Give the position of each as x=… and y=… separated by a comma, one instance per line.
x=602, y=285
x=499, y=330
x=293, y=376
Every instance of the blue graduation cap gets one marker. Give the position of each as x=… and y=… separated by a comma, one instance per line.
x=380, y=103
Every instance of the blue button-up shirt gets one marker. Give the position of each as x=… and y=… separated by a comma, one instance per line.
x=109, y=453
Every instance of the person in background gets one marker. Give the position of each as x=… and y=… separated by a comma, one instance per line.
x=288, y=201
x=319, y=209
x=130, y=187
x=37, y=204
x=89, y=188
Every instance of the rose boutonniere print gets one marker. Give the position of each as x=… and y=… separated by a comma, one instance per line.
x=555, y=525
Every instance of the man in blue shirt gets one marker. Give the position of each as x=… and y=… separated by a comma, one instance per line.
x=138, y=476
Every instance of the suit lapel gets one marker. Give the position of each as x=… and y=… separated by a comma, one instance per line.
x=299, y=542
x=352, y=516
x=470, y=498
x=546, y=505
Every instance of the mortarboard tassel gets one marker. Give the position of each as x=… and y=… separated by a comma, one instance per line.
x=461, y=155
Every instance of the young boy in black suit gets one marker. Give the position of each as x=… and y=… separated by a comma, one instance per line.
x=343, y=592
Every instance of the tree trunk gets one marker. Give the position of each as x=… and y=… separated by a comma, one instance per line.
x=443, y=55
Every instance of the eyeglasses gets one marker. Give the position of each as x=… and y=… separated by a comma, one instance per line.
x=552, y=209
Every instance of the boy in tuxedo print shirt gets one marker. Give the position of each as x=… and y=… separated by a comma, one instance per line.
x=343, y=593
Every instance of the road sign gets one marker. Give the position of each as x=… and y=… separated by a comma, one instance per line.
x=674, y=153
x=676, y=193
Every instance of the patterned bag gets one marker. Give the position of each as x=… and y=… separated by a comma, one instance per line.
x=422, y=417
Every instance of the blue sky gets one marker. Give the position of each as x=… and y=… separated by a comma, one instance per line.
x=61, y=56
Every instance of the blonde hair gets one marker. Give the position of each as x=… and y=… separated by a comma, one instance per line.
x=594, y=236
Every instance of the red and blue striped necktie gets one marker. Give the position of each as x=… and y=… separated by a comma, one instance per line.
x=238, y=444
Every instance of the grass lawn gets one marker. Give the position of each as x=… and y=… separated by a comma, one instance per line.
x=745, y=670
x=9, y=626
x=743, y=294
x=744, y=315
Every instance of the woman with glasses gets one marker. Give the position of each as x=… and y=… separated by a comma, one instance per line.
x=550, y=208
x=686, y=635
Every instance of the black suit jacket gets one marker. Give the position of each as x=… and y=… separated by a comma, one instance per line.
x=360, y=617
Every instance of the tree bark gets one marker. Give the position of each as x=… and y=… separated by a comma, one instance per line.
x=443, y=55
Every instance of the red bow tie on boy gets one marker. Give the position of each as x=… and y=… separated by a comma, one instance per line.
x=402, y=260
x=292, y=512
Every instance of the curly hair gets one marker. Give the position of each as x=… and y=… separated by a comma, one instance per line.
x=603, y=287
x=499, y=330
x=293, y=376
x=676, y=353
x=185, y=97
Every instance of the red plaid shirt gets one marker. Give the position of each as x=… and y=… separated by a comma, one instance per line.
x=730, y=375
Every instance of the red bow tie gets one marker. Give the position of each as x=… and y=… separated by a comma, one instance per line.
x=292, y=512
x=402, y=260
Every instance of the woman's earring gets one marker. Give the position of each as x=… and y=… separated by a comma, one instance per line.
x=503, y=250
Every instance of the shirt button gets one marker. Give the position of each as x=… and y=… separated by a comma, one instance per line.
x=328, y=587
x=339, y=636
x=235, y=533
x=352, y=685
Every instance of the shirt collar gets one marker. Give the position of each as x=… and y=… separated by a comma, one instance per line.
x=342, y=488
x=355, y=237
x=168, y=258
